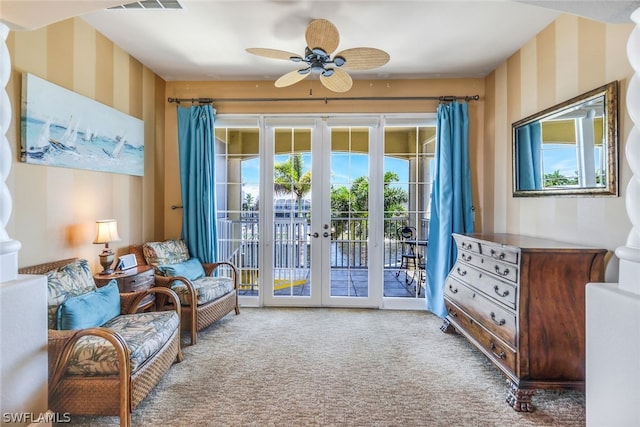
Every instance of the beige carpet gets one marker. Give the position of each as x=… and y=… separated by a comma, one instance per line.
x=338, y=367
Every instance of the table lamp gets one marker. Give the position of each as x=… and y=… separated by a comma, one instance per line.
x=107, y=231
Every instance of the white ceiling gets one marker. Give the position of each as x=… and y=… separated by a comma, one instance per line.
x=425, y=38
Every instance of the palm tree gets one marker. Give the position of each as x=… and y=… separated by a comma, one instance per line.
x=394, y=198
x=290, y=178
x=355, y=200
x=249, y=203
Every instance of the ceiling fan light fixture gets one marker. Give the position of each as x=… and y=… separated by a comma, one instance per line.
x=339, y=61
x=317, y=68
x=319, y=51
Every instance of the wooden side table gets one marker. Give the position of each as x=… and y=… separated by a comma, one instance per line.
x=135, y=279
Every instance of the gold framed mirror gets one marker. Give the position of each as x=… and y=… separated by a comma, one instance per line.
x=570, y=149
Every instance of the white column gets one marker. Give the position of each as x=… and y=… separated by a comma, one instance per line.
x=613, y=309
x=613, y=356
x=23, y=298
x=8, y=248
x=23, y=349
x=630, y=253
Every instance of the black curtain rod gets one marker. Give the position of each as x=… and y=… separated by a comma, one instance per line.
x=326, y=100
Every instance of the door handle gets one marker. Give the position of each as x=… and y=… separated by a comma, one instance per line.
x=325, y=234
x=316, y=235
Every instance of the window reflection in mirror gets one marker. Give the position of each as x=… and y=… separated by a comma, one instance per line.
x=568, y=149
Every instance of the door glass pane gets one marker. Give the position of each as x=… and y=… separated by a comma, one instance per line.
x=349, y=181
x=408, y=158
x=292, y=212
x=237, y=191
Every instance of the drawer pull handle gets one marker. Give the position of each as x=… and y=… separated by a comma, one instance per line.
x=453, y=291
x=502, y=354
x=495, y=255
x=504, y=294
x=504, y=273
x=500, y=322
x=466, y=245
x=453, y=313
x=466, y=257
x=462, y=272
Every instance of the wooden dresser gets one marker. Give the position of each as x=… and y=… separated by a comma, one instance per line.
x=521, y=301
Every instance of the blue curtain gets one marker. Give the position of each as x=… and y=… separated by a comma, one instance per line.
x=528, y=156
x=451, y=207
x=196, y=149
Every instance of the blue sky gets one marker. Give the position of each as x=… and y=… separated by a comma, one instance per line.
x=563, y=157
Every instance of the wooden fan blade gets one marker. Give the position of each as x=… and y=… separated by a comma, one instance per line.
x=339, y=81
x=292, y=77
x=323, y=34
x=271, y=53
x=363, y=58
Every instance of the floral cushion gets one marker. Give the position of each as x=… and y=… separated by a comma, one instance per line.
x=144, y=333
x=167, y=252
x=68, y=281
x=207, y=288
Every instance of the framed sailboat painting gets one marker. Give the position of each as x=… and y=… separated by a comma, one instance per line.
x=63, y=128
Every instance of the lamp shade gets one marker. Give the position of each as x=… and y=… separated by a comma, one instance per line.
x=107, y=231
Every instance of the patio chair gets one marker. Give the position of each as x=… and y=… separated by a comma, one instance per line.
x=410, y=258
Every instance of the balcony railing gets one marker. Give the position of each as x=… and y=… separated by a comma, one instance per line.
x=238, y=241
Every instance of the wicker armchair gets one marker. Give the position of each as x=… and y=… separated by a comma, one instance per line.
x=76, y=386
x=208, y=309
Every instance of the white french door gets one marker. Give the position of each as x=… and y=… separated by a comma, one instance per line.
x=309, y=207
x=320, y=252
x=351, y=154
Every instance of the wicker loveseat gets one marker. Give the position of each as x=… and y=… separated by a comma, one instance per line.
x=212, y=289
x=104, y=358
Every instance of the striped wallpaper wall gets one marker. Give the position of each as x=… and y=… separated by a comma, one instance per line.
x=571, y=56
x=55, y=209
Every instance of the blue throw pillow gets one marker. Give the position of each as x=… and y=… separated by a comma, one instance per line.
x=90, y=310
x=191, y=269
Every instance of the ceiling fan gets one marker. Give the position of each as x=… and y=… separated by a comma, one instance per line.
x=322, y=40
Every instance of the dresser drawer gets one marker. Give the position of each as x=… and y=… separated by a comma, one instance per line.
x=496, y=350
x=139, y=282
x=493, y=317
x=467, y=244
x=489, y=265
x=467, y=256
x=504, y=292
x=500, y=253
x=462, y=271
